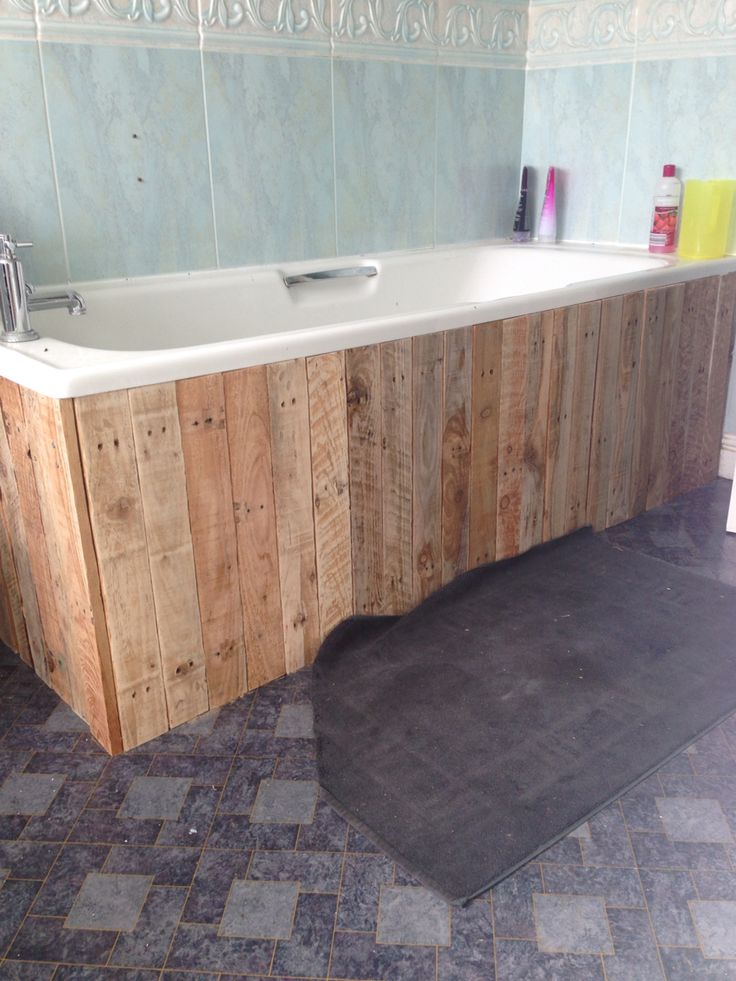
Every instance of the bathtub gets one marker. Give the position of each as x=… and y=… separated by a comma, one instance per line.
x=146, y=330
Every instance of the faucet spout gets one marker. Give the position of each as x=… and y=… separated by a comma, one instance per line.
x=63, y=298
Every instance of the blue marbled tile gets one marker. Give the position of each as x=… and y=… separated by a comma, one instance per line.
x=168, y=866
x=193, y=824
x=513, y=911
x=479, y=121
x=211, y=886
x=384, y=150
x=470, y=954
x=197, y=947
x=271, y=142
x=236, y=831
x=27, y=859
x=116, y=779
x=682, y=113
x=206, y=771
x=242, y=784
x=74, y=767
x=29, y=208
x=618, y=887
x=326, y=833
x=15, y=900
x=103, y=826
x=314, y=871
x=520, y=960
x=42, y=938
x=575, y=119
x=148, y=944
x=609, y=842
x=128, y=129
x=58, y=821
x=66, y=877
x=357, y=955
x=668, y=894
x=362, y=878
x=635, y=957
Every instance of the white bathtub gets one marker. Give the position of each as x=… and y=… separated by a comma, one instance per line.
x=161, y=328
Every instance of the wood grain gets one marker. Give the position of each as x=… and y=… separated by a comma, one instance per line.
x=560, y=420
x=662, y=407
x=363, y=366
x=650, y=383
x=201, y=406
x=456, y=445
x=427, y=363
x=703, y=306
x=397, y=477
x=249, y=439
x=292, y=481
x=116, y=514
x=330, y=488
x=586, y=357
x=487, y=340
x=718, y=376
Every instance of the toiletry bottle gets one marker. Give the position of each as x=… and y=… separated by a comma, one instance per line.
x=521, y=232
x=663, y=229
x=548, y=217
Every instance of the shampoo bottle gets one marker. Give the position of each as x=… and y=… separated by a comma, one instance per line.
x=663, y=229
x=548, y=217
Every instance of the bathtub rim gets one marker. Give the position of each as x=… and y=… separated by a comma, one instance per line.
x=47, y=366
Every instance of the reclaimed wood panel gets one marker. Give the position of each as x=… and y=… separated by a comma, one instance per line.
x=650, y=382
x=330, y=488
x=12, y=622
x=624, y=409
x=485, y=402
x=427, y=370
x=249, y=439
x=703, y=310
x=684, y=361
x=718, y=375
x=397, y=478
x=159, y=458
x=604, y=420
x=456, y=451
x=116, y=513
x=201, y=407
x=586, y=358
x=661, y=405
x=560, y=418
x=33, y=652
x=292, y=481
x=363, y=367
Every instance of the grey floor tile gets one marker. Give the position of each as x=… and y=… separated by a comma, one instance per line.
x=259, y=910
x=470, y=954
x=660, y=852
x=618, y=887
x=688, y=819
x=16, y=897
x=307, y=952
x=412, y=915
x=64, y=719
x=65, y=879
x=359, y=957
x=513, y=909
x=212, y=881
x=197, y=947
x=635, y=957
x=715, y=925
x=168, y=866
x=285, y=802
x=108, y=902
x=715, y=885
x=667, y=895
x=29, y=793
x=572, y=924
x=296, y=722
x=362, y=878
x=609, y=842
x=155, y=797
x=242, y=785
x=681, y=964
x=314, y=871
x=327, y=832
x=148, y=944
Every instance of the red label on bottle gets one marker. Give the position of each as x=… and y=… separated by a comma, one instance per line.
x=664, y=227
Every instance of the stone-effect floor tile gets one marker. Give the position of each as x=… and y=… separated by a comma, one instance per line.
x=572, y=925
x=197, y=947
x=64, y=719
x=660, y=852
x=359, y=957
x=715, y=925
x=715, y=885
x=62, y=814
x=635, y=957
x=167, y=866
x=16, y=897
x=116, y=779
x=148, y=944
x=29, y=793
x=667, y=895
x=688, y=819
x=65, y=879
x=155, y=797
x=236, y=831
x=104, y=826
x=42, y=938
x=211, y=885
x=681, y=964
x=73, y=766
x=307, y=952
x=69, y=973
x=195, y=819
x=412, y=915
x=362, y=878
x=470, y=954
x=27, y=859
x=260, y=910
x=314, y=871
x=285, y=802
x=618, y=887
x=242, y=785
x=209, y=771
x=609, y=842
x=108, y=902
x=327, y=831
x=520, y=960
x=26, y=971
x=513, y=911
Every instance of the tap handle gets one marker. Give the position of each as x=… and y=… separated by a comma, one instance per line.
x=24, y=245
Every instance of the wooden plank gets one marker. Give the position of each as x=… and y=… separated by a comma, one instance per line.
x=201, y=406
x=330, y=488
x=718, y=376
x=159, y=457
x=116, y=514
x=249, y=438
x=650, y=383
x=12, y=624
x=604, y=419
x=396, y=469
x=456, y=451
x=684, y=368
x=16, y=530
x=535, y=432
x=659, y=468
x=292, y=482
x=487, y=339
x=511, y=436
x=586, y=356
x=624, y=409
x=52, y=668
x=704, y=305
x=427, y=372
x=363, y=366
x=560, y=418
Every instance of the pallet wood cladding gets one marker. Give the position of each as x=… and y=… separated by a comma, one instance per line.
x=166, y=548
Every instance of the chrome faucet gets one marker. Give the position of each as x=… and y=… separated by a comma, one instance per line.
x=18, y=299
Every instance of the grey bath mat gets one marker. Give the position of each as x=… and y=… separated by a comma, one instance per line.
x=474, y=732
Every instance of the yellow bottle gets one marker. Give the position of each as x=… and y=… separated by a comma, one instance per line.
x=706, y=219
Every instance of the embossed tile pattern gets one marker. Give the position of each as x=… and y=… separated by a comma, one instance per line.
x=144, y=867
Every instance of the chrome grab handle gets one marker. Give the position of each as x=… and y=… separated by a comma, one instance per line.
x=330, y=274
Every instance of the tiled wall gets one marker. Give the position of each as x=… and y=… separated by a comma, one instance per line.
x=146, y=136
